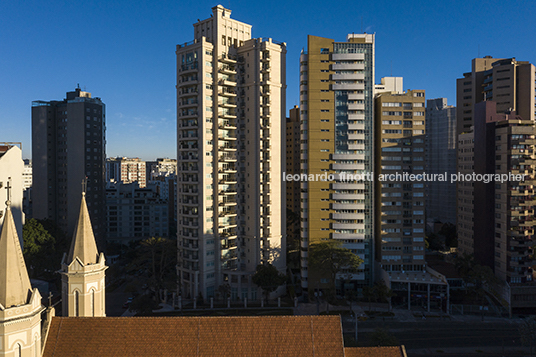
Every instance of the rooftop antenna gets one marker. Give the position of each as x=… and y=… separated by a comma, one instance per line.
x=362, y=24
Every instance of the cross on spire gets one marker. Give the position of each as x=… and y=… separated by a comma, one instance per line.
x=8, y=188
x=84, y=186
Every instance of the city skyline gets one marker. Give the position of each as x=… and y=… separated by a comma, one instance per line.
x=124, y=54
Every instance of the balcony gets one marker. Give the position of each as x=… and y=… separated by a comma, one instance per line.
x=226, y=92
x=226, y=69
x=227, y=58
x=228, y=157
x=227, y=82
x=226, y=104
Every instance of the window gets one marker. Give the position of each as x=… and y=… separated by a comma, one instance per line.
x=76, y=303
x=92, y=303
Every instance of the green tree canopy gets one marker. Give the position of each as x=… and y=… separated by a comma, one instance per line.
x=329, y=257
x=44, y=245
x=268, y=278
x=382, y=337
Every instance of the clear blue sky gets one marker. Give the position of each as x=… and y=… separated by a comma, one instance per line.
x=124, y=52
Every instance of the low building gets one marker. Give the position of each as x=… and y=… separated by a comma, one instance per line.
x=125, y=170
x=134, y=213
x=161, y=168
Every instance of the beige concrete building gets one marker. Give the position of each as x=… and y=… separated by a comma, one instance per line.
x=68, y=146
x=11, y=174
x=126, y=170
x=400, y=202
x=230, y=125
x=82, y=270
x=506, y=81
x=400, y=207
x=20, y=305
x=337, y=127
x=496, y=219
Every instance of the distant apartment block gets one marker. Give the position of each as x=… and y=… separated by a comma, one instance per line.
x=12, y=183
x=440, y=151
x=161, y=168
x=134, y=213
x=337, y=138
x=230, y=125
x=506, y=81
x=27, y=177
x=126, y=170
x=68, y=148
x=496, y=219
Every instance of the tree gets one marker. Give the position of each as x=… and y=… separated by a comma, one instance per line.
x=44, y=245
x=448, y=230
x=223, y=291
x=369, y=293
x=161, y=252
x=143, y=305
x=293, y=240
x=382, y=337
x=464, y=263
x=433, y=242
x=384, y=293
x=268, y=278
x=527, y=330
x=329, y=257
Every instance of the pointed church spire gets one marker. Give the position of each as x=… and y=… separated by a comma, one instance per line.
x=83, y=245
x=15, y=287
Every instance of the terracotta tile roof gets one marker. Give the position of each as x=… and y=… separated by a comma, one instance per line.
x=396, y=351
x=286, y=336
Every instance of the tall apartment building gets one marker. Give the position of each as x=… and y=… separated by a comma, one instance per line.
x=400, y=205
x=68, y=147
x=292, y=147
x=465, y=194
x=337, y=124
x=126, y=170
x=440, y=151
x=12, y=183
x=506, y=81
x=498, y=217
x=400, y=131
x=230, y=125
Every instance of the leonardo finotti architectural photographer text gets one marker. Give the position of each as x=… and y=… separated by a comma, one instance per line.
x=405, y=176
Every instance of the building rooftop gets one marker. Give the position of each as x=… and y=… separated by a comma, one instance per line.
x=196, y=336
x=392, y=351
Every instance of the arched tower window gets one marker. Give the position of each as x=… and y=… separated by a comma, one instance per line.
x=76, y=303
x=92, y=303
x=18, y=350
